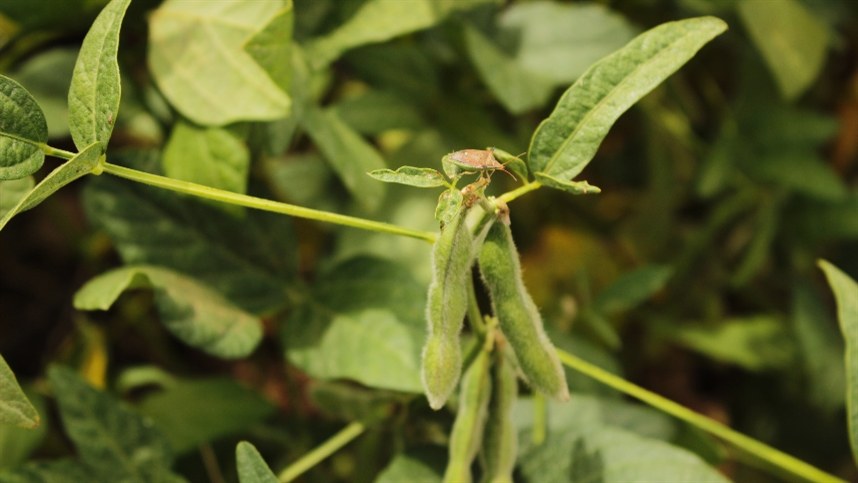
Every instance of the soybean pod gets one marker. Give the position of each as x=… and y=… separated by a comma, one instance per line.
x=447, y=303
x=518, y=316
x=500, y=440
x=467, y=432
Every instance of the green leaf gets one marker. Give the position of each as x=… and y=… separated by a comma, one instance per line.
x=15, y=408
x=567, y=140
x=449, y=205
x=251, y=467
x=632, y=289
x=271, y=47
x=95, y=87
x=799, y=170
x=364, y=321
x=517, y=89
x=193, y=312
x=587, y=416
x=69, y=15
x=602, y=328
x=191, y=412
x=400, y=67
x=559, y=41
x=117, y=443
x=820, y=349
x=250, y=261
x=23, y=130
x=16, y=443
x=791, y=38
x=574, y=187
x=411, y=176
x=610, y=454
x=593, y=353
x=348, y=153
x=754, y=343
x=196, y=55
x=414, y=466
x=83, y=163
x=57, y=471
x=47, y=76
x=765, y=228
x=846, y=295
x=345, y=401
x=404, y=207
x=13, y=190
x=380, y=20
x=829, y=221
x=585, y=412
x=302, y=179
x=376, y=111
x=208, y=156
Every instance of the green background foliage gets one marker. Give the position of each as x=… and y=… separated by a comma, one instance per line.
x=160, y=337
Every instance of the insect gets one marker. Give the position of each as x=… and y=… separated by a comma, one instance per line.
x=473, y=160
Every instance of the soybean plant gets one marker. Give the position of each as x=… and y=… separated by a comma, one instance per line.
x=476, y=227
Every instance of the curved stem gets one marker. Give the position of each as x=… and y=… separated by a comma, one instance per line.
x=738, y=440
x=521, y=190
x=329, y=447
x=261, y=203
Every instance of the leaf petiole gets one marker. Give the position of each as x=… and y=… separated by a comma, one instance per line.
x=55, y=152
x=329, y=447
x=261, y=203
x=521, y=190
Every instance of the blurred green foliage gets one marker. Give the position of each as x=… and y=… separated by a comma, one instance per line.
x=692, y=273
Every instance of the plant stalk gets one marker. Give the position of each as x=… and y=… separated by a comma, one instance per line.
x=521, y=190
x=738, y=440
x=261, y=203
x=329, y=447
x=56, y=152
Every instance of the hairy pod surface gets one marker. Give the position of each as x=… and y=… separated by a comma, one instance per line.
x=500, y=440
x=467, y=434
x=518, y=316
x=447, y=302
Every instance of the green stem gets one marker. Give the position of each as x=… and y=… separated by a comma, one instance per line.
x=744, y=443
x=329, y=447
x=261, y=203
x=55, y=152
x=540, y=419
x=521, y=190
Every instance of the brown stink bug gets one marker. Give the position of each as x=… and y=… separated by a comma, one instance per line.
x=472, y=161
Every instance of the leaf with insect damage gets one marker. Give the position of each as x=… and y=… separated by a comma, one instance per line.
x=411, y=176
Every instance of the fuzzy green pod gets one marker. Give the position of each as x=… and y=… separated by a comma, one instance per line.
x=500, y=440
x=467, y=433
x=447, y=302
x=518, y=316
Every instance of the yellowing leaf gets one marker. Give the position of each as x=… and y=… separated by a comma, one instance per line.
x=197, y=56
